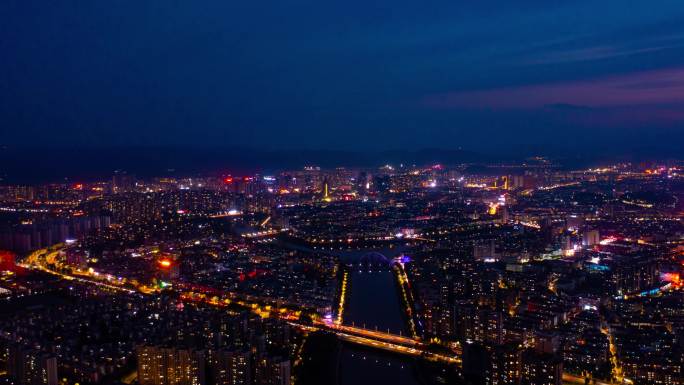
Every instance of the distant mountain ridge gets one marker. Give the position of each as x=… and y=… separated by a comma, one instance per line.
x=37, y=165
x=41, y=165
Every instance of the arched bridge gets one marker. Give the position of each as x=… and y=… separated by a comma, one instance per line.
x=372, y=260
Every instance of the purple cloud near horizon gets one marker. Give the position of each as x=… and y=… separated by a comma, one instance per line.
x=652, y=88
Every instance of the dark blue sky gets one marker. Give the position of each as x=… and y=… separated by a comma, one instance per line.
x=349, y=75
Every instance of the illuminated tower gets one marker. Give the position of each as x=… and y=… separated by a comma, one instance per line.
x=326, y=193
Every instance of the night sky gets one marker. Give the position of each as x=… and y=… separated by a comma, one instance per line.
x=353, y=75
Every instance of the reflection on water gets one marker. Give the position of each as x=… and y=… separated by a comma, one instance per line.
x=360, y=366
x=373, y=301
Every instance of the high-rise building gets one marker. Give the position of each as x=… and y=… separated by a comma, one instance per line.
x=170, y=366
x=541, y=368
x=492, y=364
x=590, y=238
x=631, y=274
x=485, y=250
x=7, y=260
x=505, y=364
x=515, y=182
x=381, y=183
x=31, y=367
x=363, y=183
x=232, y=367
x=122, y=182
x=272, y=370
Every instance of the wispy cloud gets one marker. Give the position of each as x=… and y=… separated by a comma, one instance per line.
x=644, y=88
x=596, y=53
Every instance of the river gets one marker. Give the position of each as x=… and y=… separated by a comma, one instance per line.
x=373, y=301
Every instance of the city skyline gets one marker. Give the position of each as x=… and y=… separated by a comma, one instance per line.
x=517, y=273
x=69, y=163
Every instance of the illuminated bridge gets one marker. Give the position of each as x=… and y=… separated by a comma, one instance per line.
x=369, y=261
x=381, y=340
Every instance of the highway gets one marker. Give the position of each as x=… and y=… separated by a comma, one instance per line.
x=573, y=379
x=35, y=262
